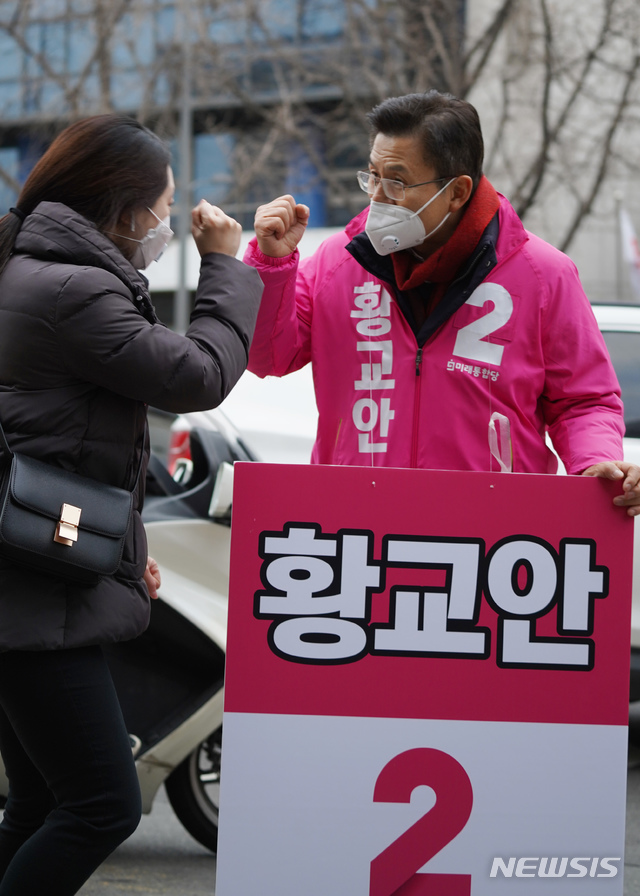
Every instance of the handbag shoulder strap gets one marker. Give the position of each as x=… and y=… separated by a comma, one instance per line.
x=140, y=459
x=4, y=449
x=4, y=445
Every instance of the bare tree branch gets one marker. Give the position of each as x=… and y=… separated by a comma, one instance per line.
x=286, y=87
x=584, y=208
x=524, y=198
x=484, y=45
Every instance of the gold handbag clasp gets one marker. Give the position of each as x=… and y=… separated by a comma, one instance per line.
x=67, y=528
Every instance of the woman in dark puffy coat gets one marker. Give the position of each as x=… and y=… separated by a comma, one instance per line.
x=82, y=354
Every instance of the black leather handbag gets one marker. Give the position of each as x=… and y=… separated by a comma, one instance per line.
x=59, y=522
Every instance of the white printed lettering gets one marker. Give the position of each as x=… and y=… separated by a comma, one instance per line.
x=542, y=577
x=301, y=579
x=424, y=630
x=375, y=326
x=606, y=865
x=557, y=867
x=324, y=639
x=470, y=339
x=553, y=867
x=577, y=865
x=524, y=869
x=375, y=312
x=507, y=868
x=520, y=648
x=582, y=582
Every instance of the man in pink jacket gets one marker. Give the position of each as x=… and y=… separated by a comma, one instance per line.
x=441, y=333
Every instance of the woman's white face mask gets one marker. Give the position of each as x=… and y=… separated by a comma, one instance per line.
x=393, y=227
x=153, y=243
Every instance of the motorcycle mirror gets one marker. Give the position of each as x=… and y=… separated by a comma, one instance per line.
x=220, y=505
x=183, y=470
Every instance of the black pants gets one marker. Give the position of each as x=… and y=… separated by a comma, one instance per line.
x=74, y=794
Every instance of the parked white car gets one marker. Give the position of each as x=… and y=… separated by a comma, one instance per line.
x=620, y=326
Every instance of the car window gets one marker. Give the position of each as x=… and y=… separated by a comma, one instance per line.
x=624, y=349
x=160, y=432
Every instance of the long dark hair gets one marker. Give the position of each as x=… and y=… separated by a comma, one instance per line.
x=101, y=167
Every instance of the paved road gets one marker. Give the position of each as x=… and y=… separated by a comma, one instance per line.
x=632, y=847
x=161, y=859
x=632, y=850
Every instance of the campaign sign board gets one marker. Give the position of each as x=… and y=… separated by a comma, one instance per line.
x=426, y=684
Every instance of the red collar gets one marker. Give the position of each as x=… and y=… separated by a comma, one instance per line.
x=442, y=266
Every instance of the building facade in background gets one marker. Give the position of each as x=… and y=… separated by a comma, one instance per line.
x=265, y=90
x=261, y=97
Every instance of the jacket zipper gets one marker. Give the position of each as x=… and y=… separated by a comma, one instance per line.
x=417, y=393
x=416, y=410
x=474, y=262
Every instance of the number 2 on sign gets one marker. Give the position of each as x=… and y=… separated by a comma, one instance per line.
x=394, y=871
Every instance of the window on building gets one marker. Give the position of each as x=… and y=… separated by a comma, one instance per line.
x=212, y=167
x=9, y=166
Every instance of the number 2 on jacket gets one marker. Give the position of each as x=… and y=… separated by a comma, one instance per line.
x=470, y=339
x=394, y=871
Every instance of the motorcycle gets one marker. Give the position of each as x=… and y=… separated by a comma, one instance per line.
x=170, y=679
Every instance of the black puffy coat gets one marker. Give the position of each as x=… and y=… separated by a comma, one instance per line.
x=81, y=356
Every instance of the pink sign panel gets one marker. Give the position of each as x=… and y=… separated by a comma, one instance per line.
x=423, y=594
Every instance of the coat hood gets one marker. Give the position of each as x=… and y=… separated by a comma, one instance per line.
x=55, y=232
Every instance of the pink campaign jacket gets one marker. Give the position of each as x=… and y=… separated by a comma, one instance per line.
x=524, y=344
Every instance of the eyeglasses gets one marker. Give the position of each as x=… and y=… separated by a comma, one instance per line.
x=393, y=189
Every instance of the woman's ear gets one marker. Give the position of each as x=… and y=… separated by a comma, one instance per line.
x=462, y=189
x=126, y=222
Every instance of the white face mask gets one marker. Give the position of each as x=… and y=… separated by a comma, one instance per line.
x=152, y=244
x=393, y=227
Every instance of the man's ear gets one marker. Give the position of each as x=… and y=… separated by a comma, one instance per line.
x=461, y=188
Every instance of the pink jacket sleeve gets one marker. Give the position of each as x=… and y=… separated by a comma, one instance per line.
x=282, y=338
x=581, y=402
